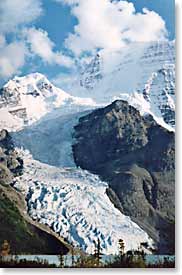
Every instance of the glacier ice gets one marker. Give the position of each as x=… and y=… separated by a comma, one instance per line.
x=74, y=204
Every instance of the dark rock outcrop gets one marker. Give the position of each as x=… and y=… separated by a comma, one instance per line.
x=10, y=163
x=136, y=157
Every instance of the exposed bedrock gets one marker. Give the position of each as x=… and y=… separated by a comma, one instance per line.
x=136, y=157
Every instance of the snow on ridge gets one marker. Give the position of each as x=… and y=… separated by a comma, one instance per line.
x=27, y=99
x=138, y=101
x=73, y=203
x=146, y=69
x=9, y=122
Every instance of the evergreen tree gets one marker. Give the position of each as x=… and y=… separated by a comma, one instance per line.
x=5, y=248
x=121, y=249
x=61, y=260
x=97, y=252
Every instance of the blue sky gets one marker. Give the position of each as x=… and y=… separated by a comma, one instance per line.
x=40, y=35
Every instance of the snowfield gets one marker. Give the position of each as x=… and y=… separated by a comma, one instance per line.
x=73, y=203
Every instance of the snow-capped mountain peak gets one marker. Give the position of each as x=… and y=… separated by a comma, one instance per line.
x=142, y=70
x=26, y=99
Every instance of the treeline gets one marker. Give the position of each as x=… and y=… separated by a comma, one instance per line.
x=129, y=259
x=22, y=263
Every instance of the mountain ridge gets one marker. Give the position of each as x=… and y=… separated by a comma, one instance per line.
x=136, y=157
x=141, y=73
x=25, y=100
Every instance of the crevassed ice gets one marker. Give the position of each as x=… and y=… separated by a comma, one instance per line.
x=74, y=204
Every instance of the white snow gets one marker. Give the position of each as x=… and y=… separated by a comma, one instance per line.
x=74, y=204
x=138, y=101
x=8, y=121
x=38, y=97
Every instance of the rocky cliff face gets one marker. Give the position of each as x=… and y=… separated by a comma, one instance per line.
x=10, y=163
x=136, y=157
x=91, y=74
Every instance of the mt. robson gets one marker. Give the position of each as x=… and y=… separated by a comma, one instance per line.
x=141, y=73
x=41, y=119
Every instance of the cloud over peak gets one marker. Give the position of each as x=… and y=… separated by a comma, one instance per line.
x=101, y=24
x=109, y=24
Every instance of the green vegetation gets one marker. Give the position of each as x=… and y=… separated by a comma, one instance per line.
x=130, y=259
x=88, y=262
x=137, y=261
x=37, y=263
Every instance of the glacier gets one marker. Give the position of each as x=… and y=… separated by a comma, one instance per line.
x=74, y=204
x=52, y=137
x=71, y=201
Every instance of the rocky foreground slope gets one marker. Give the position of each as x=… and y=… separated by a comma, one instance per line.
x=136, y=157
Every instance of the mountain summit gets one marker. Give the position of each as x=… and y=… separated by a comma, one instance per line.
x=24, y=100
x=141, y=73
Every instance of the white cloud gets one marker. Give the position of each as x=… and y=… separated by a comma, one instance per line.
x=2, y=41
x=41, y=45
x=14, y=13
x=105, y=24
x=26, y=43
x=66, y=61
x=69, y=2
x=12, y=58
x=101, y=24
